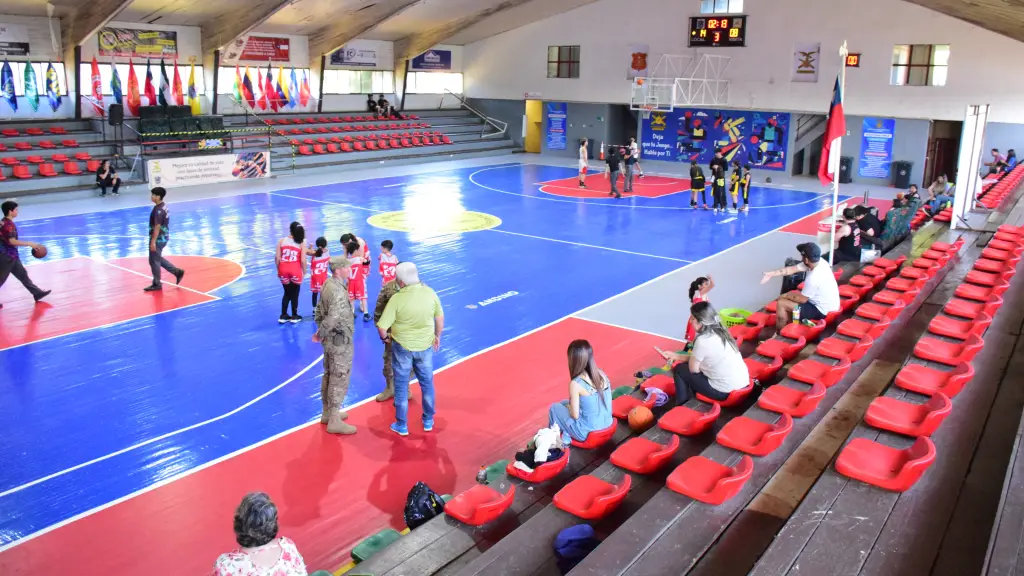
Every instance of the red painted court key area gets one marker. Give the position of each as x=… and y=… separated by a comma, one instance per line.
x=598, y=187
x=90, y=293
x=334, y=491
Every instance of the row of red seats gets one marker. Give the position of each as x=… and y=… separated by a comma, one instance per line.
x=11, y=132
x=963, y=322
x=83, y=156
x=335, y=119
x=381, y=144
x=48, y=169
x=367, y=138
x=42, y=144
x=355, y=128
x=992, y=195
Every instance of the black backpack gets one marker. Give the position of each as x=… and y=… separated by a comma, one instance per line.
x=790, y=283
x=421, y=505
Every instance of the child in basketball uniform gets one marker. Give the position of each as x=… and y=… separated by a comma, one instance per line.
x=745, y=187
x=357, y=278
x=699, y=289
x=388, y=262
x=734, y=185
x=697, y=184
x=583, y=163
x=290, y=258
x=634, y=152
x=318, y=268
x=718, y=188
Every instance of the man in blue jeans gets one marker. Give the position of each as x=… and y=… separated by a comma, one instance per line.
x=412, y=321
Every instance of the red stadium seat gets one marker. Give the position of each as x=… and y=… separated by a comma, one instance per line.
x=308, y=130
x=337, y=129
x=862, y=281
x=69, y=143
x=597, y=438
x=742, y=332
x=776, y=347
x=753, y=436
x=295, y=131
x=796, y=403
x=371, y=145
x=810, y=371
x=83, y=156
x=872, y=271
x=333, y=148
x=854, y=328
x=479, y=505
x=970, y=309
x=346, y=147
x=979, y=278
x=34, y=159
x=837, y=348
x=49, y=145
x=72, y=168
x=981, y=293
x=542, y=472
x=959, y=329
x=937, y=255
x=734, y=397
x=9, y=132
x=885, y=467
x=1003, y=244
x=322, y=130
x=623, y=404
x=437, y=140
x=928, y=381
x=996, y=254
x=663, y=382
x=761, y=371
x=686, y=421
x=858, y=292
x=47, y=169
x=875, y=312
x=643, y=456
x=591, y=498
x=890, y=297
x=92, y=165
x=847, y=304
x=359, y=146
x=406, y=143
x=382, y=144
x=901, y=284
x=908, y=418
x=946, y=247
x=305, y=150
x=795, y=330
x=59, y=158
x=308, y=141
x=995, y=266
x=322, y=140
x=21, y=171
x=284, y=121
x=10, y=161
x=890, y=265
x=446, y=139
x=34, y=131
x=395, y=143
x=27, y=146
x=948, y=353
x=708, y=481
x=416, y=141
x=761, y=318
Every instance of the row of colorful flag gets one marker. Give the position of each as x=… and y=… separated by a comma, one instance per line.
x=292, y=93
x=31, y=86
x=170, y=94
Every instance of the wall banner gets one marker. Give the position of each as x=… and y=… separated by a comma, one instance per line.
x=638, y=54
x=13, y=40
x=259, y=49
x=556, y=113
x=432, y=60
x=746, y=136
x=806, y=59
x=876, y=147
x=130, y=43
x=354, y=55
x=191, y=170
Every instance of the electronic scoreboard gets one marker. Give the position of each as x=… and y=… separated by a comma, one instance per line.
x=718, y=31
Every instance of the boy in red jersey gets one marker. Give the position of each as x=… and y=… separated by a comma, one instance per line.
x=388, y=262
x=318, y=268
x=357, y=278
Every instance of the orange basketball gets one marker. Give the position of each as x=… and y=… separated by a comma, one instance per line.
x=39, y=252
x=639, y=81
x=640, y=418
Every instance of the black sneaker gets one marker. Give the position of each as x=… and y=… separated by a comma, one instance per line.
x=366, y=317
x=643, y=375
x=153, y=288
x=43, y=294
x=617, y=195
x=295, y=319
x=178, y=276
x=284, y=318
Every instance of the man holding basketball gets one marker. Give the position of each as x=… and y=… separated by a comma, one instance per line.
x=10, y=261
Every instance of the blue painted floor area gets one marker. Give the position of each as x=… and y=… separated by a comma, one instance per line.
x=97, y=415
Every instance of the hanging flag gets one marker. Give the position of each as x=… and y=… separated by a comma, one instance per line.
x=166, y=98
x=262, y=100
x=237, y=88
x=247, y=94
x=150, y=91
x=293, y=90
x=134, y=101
x=304, y=94
x=31, y=86
x=269, y=91
x=97, y=88
x=52, y=87
x=282, y=89
x=193, y=96
x=115, y=84
x=7, y=85
x=176, y=90
x=835, y=128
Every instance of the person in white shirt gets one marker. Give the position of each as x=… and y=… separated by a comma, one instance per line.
x=715, y=367
x=634, y=152
x=820, y=296
x=583, y=163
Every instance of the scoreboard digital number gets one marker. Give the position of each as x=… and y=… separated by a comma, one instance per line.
x=718, y=31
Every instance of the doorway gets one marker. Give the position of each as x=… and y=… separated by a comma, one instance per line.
x=943, y=150
x=532, y=121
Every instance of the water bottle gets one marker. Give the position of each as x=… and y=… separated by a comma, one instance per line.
x=796, y=315
x=481, y=476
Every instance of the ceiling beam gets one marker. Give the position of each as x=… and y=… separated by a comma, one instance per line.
x=223, y=30
x=342, y=30
x=79, y=20
x=415, y=44
x=990, y=15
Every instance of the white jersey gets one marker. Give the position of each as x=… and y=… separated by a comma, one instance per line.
x=583, y=157
x=634, y=150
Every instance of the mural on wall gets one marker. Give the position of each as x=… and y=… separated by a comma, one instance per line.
x=746, y=136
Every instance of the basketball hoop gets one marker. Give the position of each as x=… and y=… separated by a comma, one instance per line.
x=645, y=110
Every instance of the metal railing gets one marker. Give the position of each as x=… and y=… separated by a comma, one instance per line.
x=273, y=131
x=488, y=121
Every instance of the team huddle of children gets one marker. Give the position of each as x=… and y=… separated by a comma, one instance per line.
x=738, y=185
x=290, y=258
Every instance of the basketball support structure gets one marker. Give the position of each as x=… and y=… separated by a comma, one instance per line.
x=680, y=80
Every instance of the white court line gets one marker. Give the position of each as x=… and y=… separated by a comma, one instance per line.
x=637, y=330
x=144, y=237
x=194, y=291
x=353, y=206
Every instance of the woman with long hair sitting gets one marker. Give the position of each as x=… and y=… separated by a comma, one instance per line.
x=590, y=397
x=715, y=367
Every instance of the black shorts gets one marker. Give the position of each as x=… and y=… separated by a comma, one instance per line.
x=809, y=311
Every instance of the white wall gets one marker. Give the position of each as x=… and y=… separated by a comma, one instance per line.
x=41, y=49
x=982, y=64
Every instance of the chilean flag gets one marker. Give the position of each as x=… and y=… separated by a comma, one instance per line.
x=835, y=128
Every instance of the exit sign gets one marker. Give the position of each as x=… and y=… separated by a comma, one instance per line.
x=853, y=60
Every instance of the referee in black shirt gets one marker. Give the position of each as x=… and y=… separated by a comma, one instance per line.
x=613, y=170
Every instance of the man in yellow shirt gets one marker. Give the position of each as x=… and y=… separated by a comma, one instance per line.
x=412, y=322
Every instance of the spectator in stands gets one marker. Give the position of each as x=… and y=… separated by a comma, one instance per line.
x=1011, y=160
x=848, y=236
x=371, y=104
x=869, y=224
x=820, y=295
x=260, y=550
x=994, y=166
x=412, y=322
x=106, y=177
x=590, y=398
x=715, y=367
x=897, y=220
x=939, y=194
x=381, y=103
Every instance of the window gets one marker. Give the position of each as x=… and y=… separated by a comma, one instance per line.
x=18, y=68
x=359, y=82
x=721, y=6
x=433, y=82
x=919, y=65
x=563, y=61
x=226, y=78
x=85, y=71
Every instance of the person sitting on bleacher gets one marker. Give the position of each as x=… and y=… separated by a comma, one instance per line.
x=261, y=552
x=848, y=239
x=820, y=296
x=371, y=104
x=939, y=193
x=715, y=367
x=590, y=398
x=1011, y=160
x=106, y=177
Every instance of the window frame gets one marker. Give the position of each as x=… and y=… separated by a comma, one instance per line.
x=18, y=69
x=903, y=73
x=572, y=65
x=712, y=7
x=445, y=79
x=340, y=81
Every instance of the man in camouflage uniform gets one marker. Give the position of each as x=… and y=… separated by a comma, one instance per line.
x=386, y=292
x=335, y=325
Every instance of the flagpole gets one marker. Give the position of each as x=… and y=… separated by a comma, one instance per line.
x=837, y=163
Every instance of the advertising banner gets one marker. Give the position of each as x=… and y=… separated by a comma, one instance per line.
x=745, y=136
x=131, y=43
x=556, y=113
x=876, y=147
x=193, y=170
x=432, y=60
x=258, y=49
x=13, y=40
x=359, y=53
